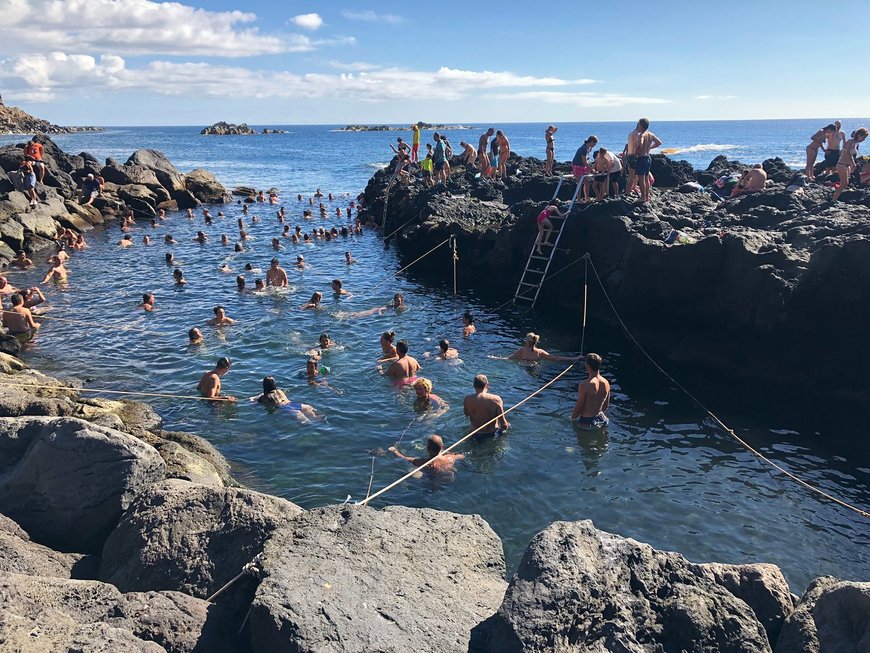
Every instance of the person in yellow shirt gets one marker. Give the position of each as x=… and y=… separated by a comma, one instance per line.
x=415, y=142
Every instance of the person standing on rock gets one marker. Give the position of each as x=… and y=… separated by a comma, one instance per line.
x=835, y=141
x=28, y=179
x=848, y=160
x=644, y=142
x=415, y=142
x=580, y=164
x=485, y=410
x=439, y=159
x=504, y=152
x=550, y=149
x=442, y=463
x=482, y=147
x=593, y=396
x=817, y=141
x=209, y=385
x=90, y=190
x=35, y=151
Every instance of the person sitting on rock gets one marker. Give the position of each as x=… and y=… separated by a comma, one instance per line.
x=28, y=179
x=21, y=261
x=90, y=190
x=751, y=181
x=442, y=463
x=209, y=385
x=35, y=151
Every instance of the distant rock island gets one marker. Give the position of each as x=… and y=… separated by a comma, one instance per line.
x=227, y=129
x=17, y=121
x=387, y=128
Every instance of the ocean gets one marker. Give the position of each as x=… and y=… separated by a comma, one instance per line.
x=661, y=473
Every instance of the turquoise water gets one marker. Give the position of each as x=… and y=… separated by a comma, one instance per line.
x=661, y=473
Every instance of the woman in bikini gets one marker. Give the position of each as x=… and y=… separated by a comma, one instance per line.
x=387, y=347
x=816, y=143
x=504, y=151
x=545, y=227
x=551, y=149
x=848, y=160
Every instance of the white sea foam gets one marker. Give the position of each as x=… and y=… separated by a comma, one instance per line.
x=701, y=147
x=377, y=165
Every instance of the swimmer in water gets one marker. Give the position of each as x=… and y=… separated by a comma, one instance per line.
x=314, y=302
x=312, y=372
x=169, y=240
x=194, y=336
x=161, y=214
x=275, y=275
x=338, y=291
x=240, y=283
x=348, y=259
x=530, y=352
x=249, y=267
x=57, y=273
x=405, y=367
x=170, y=260
x=200, y=237
x=225, y=268
x=178, y=275
x=6, y=288
x=19, y=321
x=387, y=347
x=446, y=351
x=426, y=400
x=21, y=261
x=238, y=247
x=146, y=241
x=398, y=302
x=147, y=302
x=126, y=241
x=190, y=214
x=33, y=297
x=485, y=410
x=300, y=262
x=442, y=463
x=593, y=396
x=209, y=385
x=225, y=240
x=276, y=244
x=273, y=396
x=468, y=324
x=259, y=285
x=220, y=318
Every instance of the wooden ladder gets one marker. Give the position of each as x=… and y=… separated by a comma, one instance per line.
x=534, y=274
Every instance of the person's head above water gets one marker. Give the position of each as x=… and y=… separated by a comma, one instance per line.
x=240, y=281
x=194, y=334
x=468, y=318
x=593, y=362
x=249, y=267
x=402, y=347
x=324, y=339
x=223, y=363
x=219, y=310
x=398, y=299
x=269, y=384
x=444, y=345
x=316, y=297
x=259, y=284
x=336, y=284
x=388, y=336
x=239, y=247
x=147, y=298
x=434, y=445
x=423, y=387
x=531, y=339
x=480, y=382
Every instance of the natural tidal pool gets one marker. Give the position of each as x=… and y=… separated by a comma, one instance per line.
x=661, y=472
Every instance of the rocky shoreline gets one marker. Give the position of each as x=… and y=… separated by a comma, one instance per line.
x=114, y=532
x=764, y=280
x=227, y=129
x=388, y=128
x=17, y=121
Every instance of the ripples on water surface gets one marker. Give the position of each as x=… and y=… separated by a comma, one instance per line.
x=661, y=474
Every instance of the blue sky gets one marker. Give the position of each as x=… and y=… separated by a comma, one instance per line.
x=141, y=62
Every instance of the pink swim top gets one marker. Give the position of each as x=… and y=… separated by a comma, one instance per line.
x=543, y=215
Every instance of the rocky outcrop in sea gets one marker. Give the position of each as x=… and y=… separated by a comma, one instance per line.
x=17, y=121
x=388, y=128
x=755, y=286
x=145, y=183
x=227, y=129
x=116, y=534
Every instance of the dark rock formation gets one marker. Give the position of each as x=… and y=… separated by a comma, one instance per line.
x=18, y=555
x=274, y=131
x=192, y=538
x=580, y=589
x=227, y=129
x=751, y=282
x=67, y=481
x=17, y=121
x=349, y=578
x=832, y=616
x=40, y=614
x=205, y=188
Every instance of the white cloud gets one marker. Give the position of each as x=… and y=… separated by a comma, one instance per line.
x=580, y=99
x=46, y=76
x=308, y=21
x=715, y=97
x=353, y=66
x=134, y=27
x=369, y=16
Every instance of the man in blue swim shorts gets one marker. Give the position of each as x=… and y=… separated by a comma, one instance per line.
x=485, y=410
x=593, y=396
x=640, y=142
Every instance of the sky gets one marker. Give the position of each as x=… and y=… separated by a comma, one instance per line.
x=143, y=62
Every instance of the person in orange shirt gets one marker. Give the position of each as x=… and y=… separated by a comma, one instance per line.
x=35, y=151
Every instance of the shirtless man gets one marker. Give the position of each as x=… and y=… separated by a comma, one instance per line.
x=405, y=367
x=446, y=351
x=485, y=410
x=593, y=396
x=504, y=151
x=209, y=385
x=6, y=288
x=275, y=275
x=57, y=273
x=482, y=146
x=643, y=142
x=126, y=241
x=147, y=302
x=530, y=352
x=348, y=259
x=752, y=180
x=426, y=399
x=33, y=297
x=469, y=151
x=19, y=321
x=21, y=261
x=834, y=141
x=194, y=336
x=338, y=291
x=442, y=463
x=220, y=318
